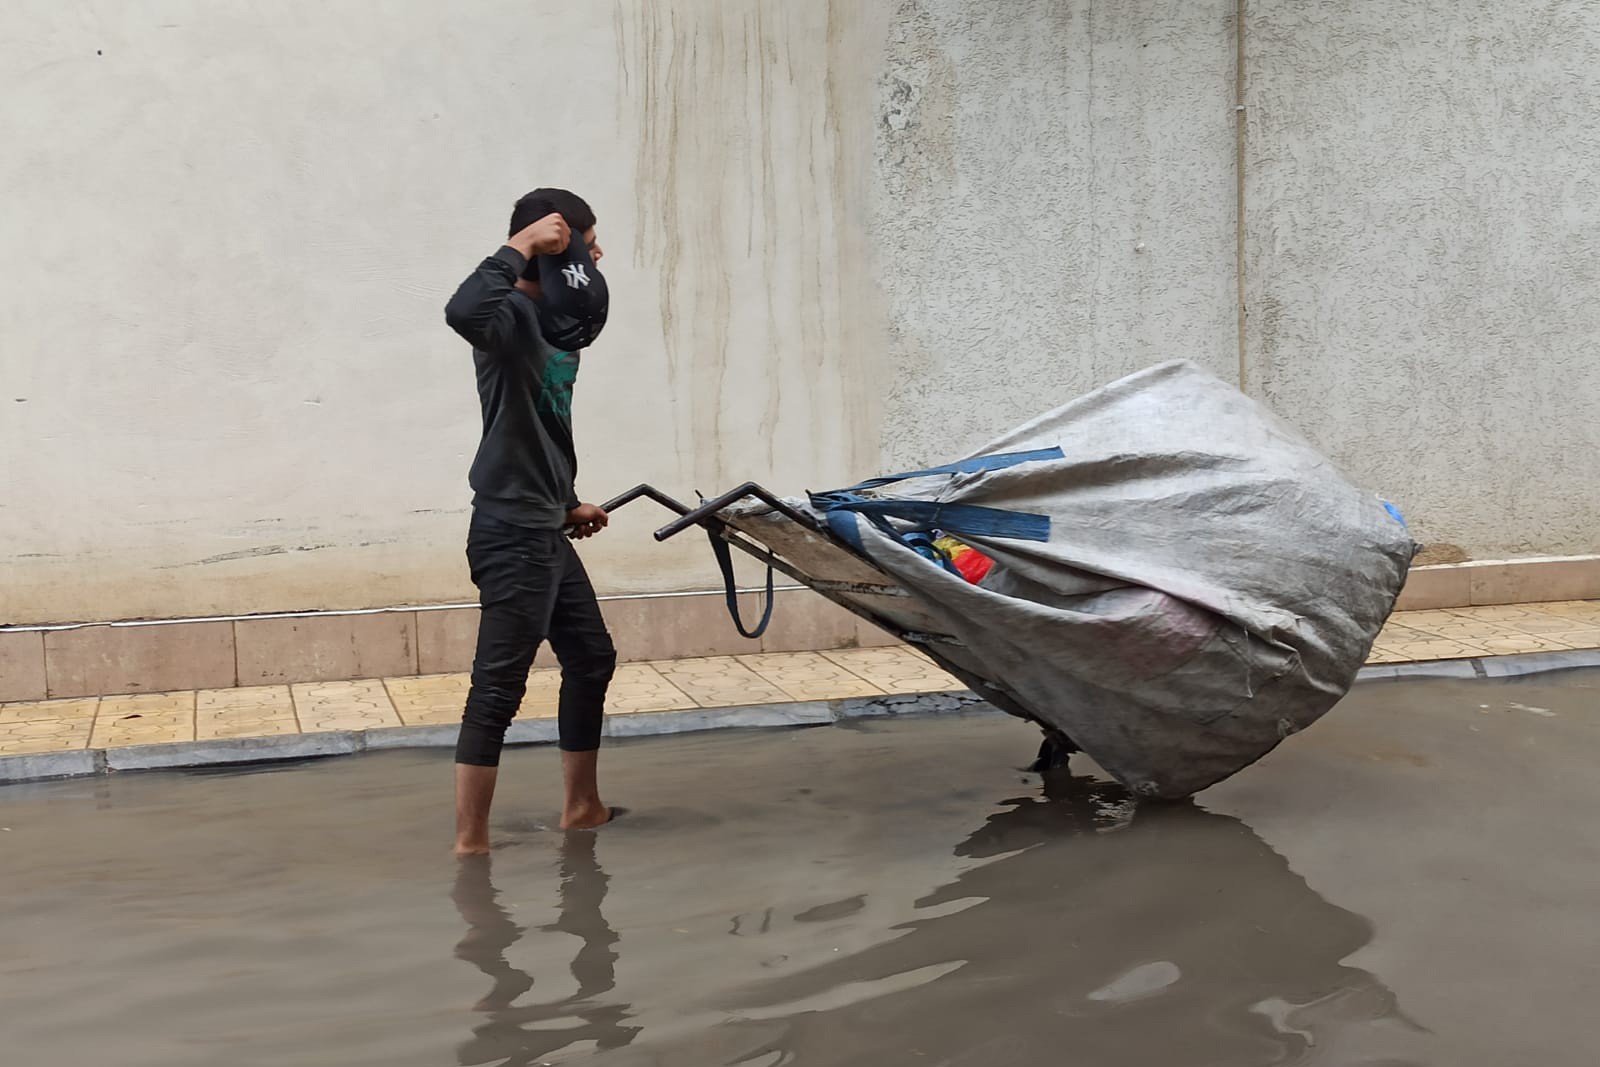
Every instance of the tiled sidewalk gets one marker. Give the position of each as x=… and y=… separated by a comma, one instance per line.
x=772, y=678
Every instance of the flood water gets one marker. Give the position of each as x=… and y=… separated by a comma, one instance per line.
x=1414, y=881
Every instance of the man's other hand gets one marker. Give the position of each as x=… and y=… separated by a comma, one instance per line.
x=586, y=520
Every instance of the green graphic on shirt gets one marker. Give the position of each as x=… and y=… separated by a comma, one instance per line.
x=555, y=390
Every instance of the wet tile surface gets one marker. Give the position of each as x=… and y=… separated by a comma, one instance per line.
x=544, y=692
x=254, y=711
x=721, y=682
x=641, y=687
x=810, y=676
x=1580, y=639
x=894, y=670
x=758, y=678
x=144, y=719
x=46, y=726
x=1587, y=609
x=62, y=710
x=343, y=706
x=430, y=700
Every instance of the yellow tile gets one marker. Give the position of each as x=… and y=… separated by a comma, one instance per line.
x=21, y=746
x=147, y=704
x=1394, y=632
x=1495, y=612
x=56, y=710
x=1383, y=655
x=1512, y=644
x=1580, y=639
x=895, y=670
x=1551, y=624
x=544, y=690
x=44, y=735
x=143, y=719
x=24, y=748
x=359, y=705
x=720, y=682
x=1468, y=630
x=255, y=711
x=440, y=716
x=247, y=713
x=224, y=701
x=1419, y=651
x=429, y=700
x=640, y=687
x=1589, y=609
x=244, y=728
x=431, y=685
x=45, y=728
x=809, y=676
x=1422, y=620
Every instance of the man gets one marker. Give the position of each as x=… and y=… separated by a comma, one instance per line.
x=528, y=310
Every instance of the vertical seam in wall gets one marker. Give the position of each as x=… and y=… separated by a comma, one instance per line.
x=1240, y=119
x=416, y=647
x=233, y=627
x=1094, y=208
x=44, y=668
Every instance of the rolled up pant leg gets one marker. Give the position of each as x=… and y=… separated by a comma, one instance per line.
x=519, y=577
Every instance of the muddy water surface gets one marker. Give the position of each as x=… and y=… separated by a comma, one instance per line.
x=1412, y=882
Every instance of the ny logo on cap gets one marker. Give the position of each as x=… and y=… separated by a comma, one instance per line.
x=577, y=278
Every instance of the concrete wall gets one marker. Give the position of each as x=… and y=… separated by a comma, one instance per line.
x=1054, y=206
x=1422, y=228
x=841, y=237
x=231, y=228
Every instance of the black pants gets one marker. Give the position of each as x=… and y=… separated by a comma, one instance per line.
x=532, y=588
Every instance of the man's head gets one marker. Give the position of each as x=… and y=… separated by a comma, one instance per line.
x=561, y=278
x=570, y=206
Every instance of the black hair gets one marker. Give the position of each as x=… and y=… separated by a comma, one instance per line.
x=541, y=202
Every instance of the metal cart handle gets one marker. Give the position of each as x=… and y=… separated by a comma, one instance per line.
x=705, y=515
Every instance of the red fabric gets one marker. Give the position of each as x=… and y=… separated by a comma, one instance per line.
x=972, y=564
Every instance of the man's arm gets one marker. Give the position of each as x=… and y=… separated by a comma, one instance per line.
x=481, y=311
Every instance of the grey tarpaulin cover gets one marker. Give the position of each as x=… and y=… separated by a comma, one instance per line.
x=1180, y=582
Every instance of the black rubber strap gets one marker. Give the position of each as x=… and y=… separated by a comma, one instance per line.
x=725, y=561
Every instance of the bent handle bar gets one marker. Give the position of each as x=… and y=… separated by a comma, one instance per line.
x=707, y=511
x=646, y=491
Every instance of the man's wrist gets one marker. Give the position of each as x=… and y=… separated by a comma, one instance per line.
x=511, y=254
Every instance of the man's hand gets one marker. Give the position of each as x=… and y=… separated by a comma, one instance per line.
x=547, y=237
x=586, y=520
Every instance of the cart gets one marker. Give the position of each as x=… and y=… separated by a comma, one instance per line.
x=1178, y=580
x=795, y=543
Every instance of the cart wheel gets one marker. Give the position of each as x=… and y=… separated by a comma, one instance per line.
x=1054, y=751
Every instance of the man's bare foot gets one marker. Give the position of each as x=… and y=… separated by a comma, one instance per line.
x=587, y=817
x=581, y=808
x=474, y=794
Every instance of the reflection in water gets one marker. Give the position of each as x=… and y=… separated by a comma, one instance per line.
x=518, y=1035
x=1098, y=932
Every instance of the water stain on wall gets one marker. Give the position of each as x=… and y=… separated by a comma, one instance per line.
x=753, y=126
